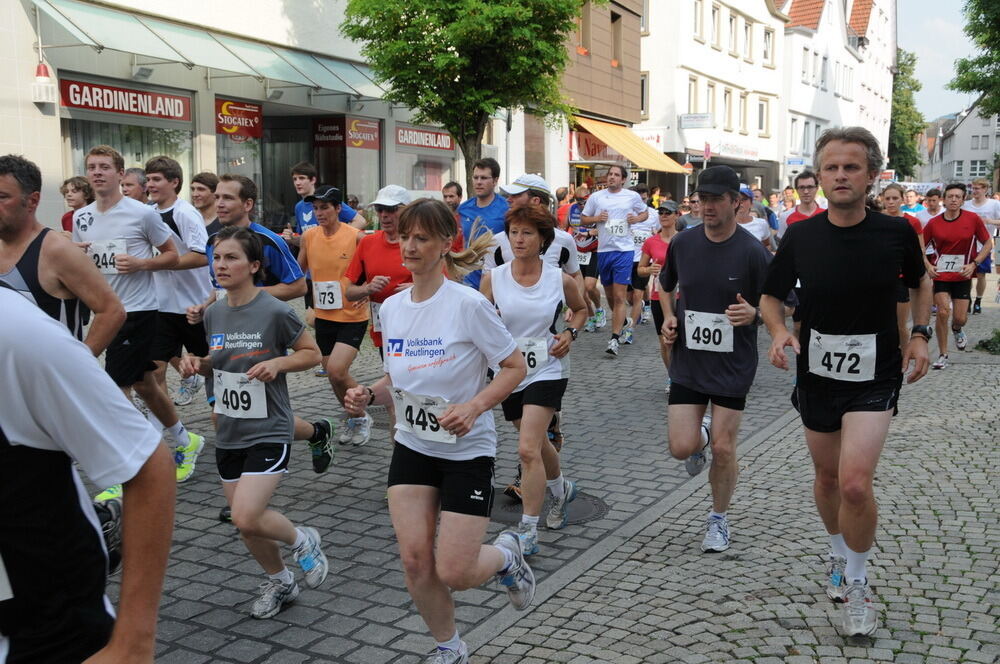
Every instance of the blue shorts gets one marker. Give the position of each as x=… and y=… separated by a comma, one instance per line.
x=985, y=266
x=615, y=267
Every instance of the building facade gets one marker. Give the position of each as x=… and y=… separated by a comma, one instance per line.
x=963, y=147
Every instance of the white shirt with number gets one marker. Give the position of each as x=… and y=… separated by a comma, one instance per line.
x=441, y=348
x=562, y=253
x=614, y=234
x=641, y=232
x=142, y=229
x=533, y=316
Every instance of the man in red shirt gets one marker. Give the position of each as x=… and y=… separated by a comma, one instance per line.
x=806, y=186
x=954, y=234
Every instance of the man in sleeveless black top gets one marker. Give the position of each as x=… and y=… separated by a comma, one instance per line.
x=47, y=268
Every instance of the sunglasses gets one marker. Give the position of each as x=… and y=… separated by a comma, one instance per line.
x=386, y=208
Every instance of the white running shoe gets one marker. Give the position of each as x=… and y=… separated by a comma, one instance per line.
x=612, y=347
x=311, y=558
x=941, y=362
x=188, y=388
x=961, y=341
x=363, y=430
x=718, y=536
x=273, y=595
x=347, y=430
x=601, y=318
x=519, y=579
x=860, y=617
x=836, y=583
x=448, y=656
x=695, y=463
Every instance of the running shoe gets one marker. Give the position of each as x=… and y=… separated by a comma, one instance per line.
x=627, y=335
x=273, y=595
x=518, y=579
x=111, y=493
x=141, y=406
x=718, y=535
x=558, y=514
x=836, y=584
x=188, y=388
x=513, y=489
x=362, y=430
x=322, y=450
x=941, y=362
x=695, y=463
x=590, y=325
x=600, y=318
x=226, y=514
x=961, y=341
x=320, y=372
x=528, y=537
x=555, y=434
x=933, y=309
x=347, y=430
x=612, y=347
x=667, y=390
x=311, y=558
x=647, y=314
x=109, y=514
x=860, y=618
x=448, y=656
x=977, y=308
x=185, y=456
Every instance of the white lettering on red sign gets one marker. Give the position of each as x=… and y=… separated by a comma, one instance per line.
x=424, y=139
x=94, y=96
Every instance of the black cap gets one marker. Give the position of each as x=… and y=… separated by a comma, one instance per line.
x=325, y=192
x=669, y=206
x=718, y=180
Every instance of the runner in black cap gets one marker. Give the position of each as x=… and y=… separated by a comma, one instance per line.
x=718, y=271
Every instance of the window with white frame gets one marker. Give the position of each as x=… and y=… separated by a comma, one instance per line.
x=727, y=108
x=743, y=112
x=978, y=168
x=644, y=18
x=822, y=72
x=805, y=137
x=768, y=52
x=699, y=19
x=692, y=94
x=732, y=33
x=805, y=65
x=958, y=168
x=984, y=142
x=793, y=135
x=815, y=74
x=975, y=142
x=710, y=100
x=764, y=117
x=716, y=26
x=747, y=40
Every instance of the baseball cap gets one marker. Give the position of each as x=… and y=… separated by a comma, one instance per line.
x=325, y=192
x=718, y=180
x=525, y=182
x=392, y=195
x=745, y=191
x=669, y=206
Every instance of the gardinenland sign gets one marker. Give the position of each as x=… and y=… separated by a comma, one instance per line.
x=238, y=119
x=125, y=101
x=422, y=138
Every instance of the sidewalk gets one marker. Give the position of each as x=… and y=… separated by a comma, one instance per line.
x=652, y=596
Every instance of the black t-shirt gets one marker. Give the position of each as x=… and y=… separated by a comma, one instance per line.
x=214, y=227
x=708, y=276
x=850, y=280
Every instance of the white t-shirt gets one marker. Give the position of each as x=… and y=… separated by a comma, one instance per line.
x=90, y=419
x=990, y=209
x=613, y=234
x=561, y=253
x=758, y=228
x=530, y=312
x=923, y=216
x=141, y=229
x=441, y=347
x=176, y=290
x=641, y=232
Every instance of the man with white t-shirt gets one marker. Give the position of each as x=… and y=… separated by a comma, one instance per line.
x=119, y=234
x=186, y=285
x=932, y=208
x=614, y=210
x=637, y=292
x=988, y=210
x=53, y=562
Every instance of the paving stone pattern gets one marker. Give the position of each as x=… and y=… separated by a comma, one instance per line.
x=630, y=586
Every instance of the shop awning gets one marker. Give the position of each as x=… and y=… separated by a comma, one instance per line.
x=101, y=27
x=628, y=143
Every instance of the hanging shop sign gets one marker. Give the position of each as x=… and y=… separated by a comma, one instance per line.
x=239, y=120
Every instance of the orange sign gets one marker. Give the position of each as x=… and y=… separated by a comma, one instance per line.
x=239, y=120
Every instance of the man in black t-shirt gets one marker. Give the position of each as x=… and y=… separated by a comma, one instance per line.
x=849, y=366
x=718, y=269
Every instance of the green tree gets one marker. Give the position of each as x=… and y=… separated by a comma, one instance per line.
x=981, y=74
x=457, y=62
x=907, y=122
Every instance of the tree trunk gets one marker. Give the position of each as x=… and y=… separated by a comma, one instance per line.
x=472, y=150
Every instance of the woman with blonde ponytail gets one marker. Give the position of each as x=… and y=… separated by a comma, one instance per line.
x=440, y=338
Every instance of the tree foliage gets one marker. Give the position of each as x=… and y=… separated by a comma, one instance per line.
x=981, y=74
x=907, y=122
x=457, y=62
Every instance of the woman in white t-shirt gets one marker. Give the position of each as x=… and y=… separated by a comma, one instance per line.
x=749, y=221
x=440, y=337
x=529, y=296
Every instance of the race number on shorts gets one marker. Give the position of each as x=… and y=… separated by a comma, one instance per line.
x=103, y=254
x=846, y=357
x=711, y=332
x=328, y=295
x=950, y=263
x=418, y=414
x=536, y=352
x=239, y=397
x=616, y=227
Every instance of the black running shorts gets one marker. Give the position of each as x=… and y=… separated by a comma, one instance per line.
x=684, y=395
x=547, y=393
x=465, y=487
x=958, y=290
x=259, y=459
x=173, y=331
x=823, y=409
x=130, y=353
x=329, y=333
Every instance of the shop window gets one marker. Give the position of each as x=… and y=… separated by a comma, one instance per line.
x=534, y=144
x=421, y=173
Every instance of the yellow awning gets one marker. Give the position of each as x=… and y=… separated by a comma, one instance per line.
x=628, y=143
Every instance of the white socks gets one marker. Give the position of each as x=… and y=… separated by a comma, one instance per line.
x=179, y=433
x=454, y=643
x=285, y=576
x=555, y=487
x=300, y=539
x=856, y=566
x=838, y=547
x=530, y=520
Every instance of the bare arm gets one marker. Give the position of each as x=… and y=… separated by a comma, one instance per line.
x=359, y=221
x=147, y=527
x=459, y=418
x=486, y=286
x=305, y=356
x=76, y=273
x=191, y=260
x=286, y=292
x=167, y=260
x=772, y=310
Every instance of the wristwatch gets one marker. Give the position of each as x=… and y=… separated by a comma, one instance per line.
x=923, y=330
x=371, y=395
x=573, y=332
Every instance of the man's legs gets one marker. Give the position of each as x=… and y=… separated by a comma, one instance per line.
x=943, y=302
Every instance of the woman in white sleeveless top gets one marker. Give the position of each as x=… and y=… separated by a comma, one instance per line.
x=530, y=296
